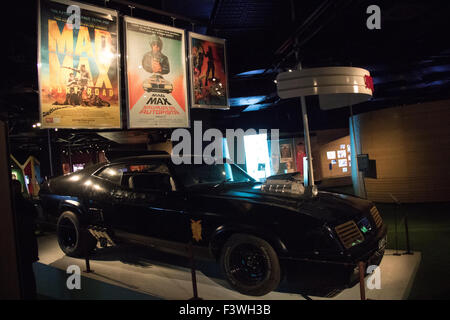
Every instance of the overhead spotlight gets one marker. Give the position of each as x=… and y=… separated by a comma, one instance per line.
x=275, y=81
x=34, y=126
x=38, y=124
x=290, y=70
x=56, y=129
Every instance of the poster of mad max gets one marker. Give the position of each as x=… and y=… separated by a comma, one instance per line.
x=78, y=66
x=156, y=75
x=208, y=72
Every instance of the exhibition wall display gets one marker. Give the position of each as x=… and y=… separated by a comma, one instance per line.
x=78, y=65
x=156, y=75
x=208, y=72
x=334, y=158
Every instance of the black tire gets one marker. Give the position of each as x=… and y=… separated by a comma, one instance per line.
x=250, y=265
x=73, y=240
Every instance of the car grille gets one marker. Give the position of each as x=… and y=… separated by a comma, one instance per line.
x=349, y=234
x=376, y=216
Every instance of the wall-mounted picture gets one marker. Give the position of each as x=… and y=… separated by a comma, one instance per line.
x=208, y=72
x=78, y=67
x=342, y=154
x=342, y=163
x=333, y=161
x=286, y=152
x=156, y=75
x=331, y=155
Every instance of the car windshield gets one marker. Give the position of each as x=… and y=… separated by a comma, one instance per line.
x=192, y=174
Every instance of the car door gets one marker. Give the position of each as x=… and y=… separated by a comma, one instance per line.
x=104, y=193
x=150, y=203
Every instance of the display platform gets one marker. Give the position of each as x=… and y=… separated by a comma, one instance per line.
x=128, y=272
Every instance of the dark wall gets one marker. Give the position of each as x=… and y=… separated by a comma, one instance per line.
x=9, y=274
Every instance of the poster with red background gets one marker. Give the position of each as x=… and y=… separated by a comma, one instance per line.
x=208, y=72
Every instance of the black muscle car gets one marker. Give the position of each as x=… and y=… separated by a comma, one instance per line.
x=260, y=234
x=157, y=83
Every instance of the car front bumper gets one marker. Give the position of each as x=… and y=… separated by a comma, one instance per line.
x=327, y=277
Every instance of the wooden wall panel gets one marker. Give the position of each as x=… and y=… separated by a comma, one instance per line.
x=411, y=146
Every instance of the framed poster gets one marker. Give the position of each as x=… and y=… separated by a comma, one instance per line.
x=78, y=66
x=286, y=152
x=156, y=75
x=331, y=155
x=342, y=163
x=341, y=154
x=208, y=72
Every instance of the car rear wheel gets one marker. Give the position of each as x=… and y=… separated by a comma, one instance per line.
x=73, y=240
x=250, y=265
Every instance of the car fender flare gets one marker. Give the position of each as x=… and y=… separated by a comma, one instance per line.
x=223, y=232
x=72, y=205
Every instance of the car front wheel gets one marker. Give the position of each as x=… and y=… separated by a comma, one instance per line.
x=250, y=265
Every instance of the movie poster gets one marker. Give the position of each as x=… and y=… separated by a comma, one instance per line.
x=78, y=66
x=208, y=72
x=156, y=72
x=286, y=152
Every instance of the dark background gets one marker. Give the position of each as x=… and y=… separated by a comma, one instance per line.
x=409, y=59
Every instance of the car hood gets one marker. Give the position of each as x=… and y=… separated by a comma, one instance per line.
x=327, y=206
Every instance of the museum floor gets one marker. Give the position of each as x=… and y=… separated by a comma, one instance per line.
x=429, y=233
x=137, y=273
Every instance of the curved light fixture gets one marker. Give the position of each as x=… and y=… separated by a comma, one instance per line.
x=336, y=86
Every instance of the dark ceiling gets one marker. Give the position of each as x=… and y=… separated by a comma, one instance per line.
x=409, y=57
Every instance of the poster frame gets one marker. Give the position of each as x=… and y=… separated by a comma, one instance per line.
x=184, y=68
x=199, y=36
x=118, y=64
